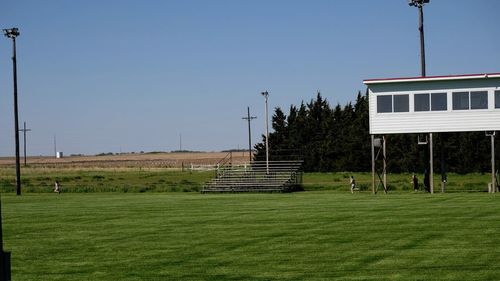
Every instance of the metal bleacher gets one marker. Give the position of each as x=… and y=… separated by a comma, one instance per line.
x=278, y=176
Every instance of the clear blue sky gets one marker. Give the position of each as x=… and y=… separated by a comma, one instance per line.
x=134, y=75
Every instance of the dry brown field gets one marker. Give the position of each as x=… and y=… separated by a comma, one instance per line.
x=136, y=160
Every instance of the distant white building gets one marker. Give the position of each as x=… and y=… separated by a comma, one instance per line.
x=458, y=103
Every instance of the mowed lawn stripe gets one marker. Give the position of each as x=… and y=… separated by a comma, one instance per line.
x=298, y=236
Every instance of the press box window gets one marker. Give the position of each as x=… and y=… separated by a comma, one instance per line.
x=460, y=100
x=439, y=102
x=479, y=100
x=401, y=103
x=497, y=99
x=421, y=102
x=384, y=104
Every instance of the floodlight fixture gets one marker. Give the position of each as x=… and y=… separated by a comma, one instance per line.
x=11, y=32
x=417, y=3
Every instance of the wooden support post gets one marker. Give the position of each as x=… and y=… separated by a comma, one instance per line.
x=373, y=164
x=443, y=166
x=493, y=179
x=385, y=164
x=431, y=162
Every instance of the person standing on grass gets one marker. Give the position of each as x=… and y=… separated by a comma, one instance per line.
x=57, y=187
x=353, y=183
x=415, y=182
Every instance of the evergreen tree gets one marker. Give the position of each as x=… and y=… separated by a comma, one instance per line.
x=338, y=139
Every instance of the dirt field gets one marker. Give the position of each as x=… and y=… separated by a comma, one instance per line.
x=144, y=160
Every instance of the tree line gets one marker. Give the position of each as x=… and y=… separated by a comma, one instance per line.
x=336, y=139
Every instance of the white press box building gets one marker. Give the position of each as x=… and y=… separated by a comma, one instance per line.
x=433, y=104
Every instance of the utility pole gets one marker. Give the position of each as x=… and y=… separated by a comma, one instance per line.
x=180, y=142
x=13, y=33
x=249, y=119
x=55, y=146
x=24, y=130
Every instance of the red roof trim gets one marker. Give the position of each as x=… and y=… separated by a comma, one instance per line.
x=418, y=78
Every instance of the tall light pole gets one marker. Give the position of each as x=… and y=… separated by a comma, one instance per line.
x=266, y=96
x=13, y=33
x=249, y=119
x=420, y=4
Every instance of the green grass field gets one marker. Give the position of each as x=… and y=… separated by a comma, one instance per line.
x=473, y=182
x=296, y=236
x=87, y=180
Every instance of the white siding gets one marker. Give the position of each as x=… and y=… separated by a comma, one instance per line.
x=433, y=121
